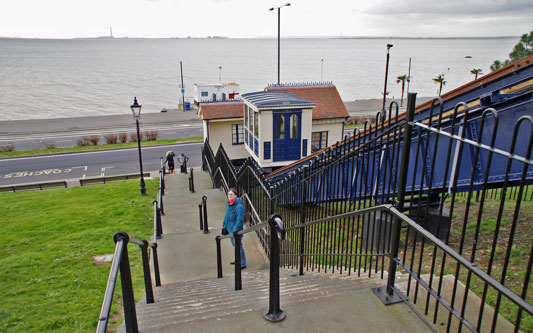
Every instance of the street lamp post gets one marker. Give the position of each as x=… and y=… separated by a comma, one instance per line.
x=386, y=74
x=279, y=12
x=136, y=109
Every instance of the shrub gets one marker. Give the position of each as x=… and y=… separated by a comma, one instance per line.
x=7, y=147
x=83, y=141
x=48, y=144
x=111, y=138
x=94, y=139
x=133, y=136
x=151, y=135
x=123, y=137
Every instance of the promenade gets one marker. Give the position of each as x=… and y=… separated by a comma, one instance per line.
x=192, y=299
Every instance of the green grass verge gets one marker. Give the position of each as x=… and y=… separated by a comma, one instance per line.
x=89, y=148
x=48, y=280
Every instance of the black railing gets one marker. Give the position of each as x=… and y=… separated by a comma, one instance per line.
x=121, y=262
x=455, y=179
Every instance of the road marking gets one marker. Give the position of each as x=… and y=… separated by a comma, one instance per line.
x=101, y=151
x=103, y=171
x=20, y=174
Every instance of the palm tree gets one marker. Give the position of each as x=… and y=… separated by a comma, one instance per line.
x=498, y=64
x=402, y=79
x=440, y=80
x=476, y=72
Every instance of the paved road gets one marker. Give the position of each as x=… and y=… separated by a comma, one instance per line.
x=70, y=138
x=89, y=164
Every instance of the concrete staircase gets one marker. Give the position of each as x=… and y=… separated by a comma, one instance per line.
x=192, y=299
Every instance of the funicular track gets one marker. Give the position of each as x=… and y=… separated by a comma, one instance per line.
x=453, y=211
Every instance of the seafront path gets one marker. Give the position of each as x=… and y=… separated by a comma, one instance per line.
x=14, y=129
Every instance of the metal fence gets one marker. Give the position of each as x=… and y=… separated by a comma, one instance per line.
x=464, y=245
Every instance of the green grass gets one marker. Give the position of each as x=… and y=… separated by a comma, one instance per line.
x=89, y=148
x=48, y=280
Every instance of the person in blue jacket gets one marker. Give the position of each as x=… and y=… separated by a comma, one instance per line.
x=233, y=220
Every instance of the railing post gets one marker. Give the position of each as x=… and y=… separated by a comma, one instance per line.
x=386, y=294
x=191, y=181
x=238, y=279
x=302, y=219
x=146, y=270
x=161, y=204
x=274, y=313
x=130, y=316
x=158, y=226
x=162, y=181
x=204, y=204
x=219, y=257
x=156, y=265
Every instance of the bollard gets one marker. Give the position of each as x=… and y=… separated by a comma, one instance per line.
x=206, y=225
x=238, y=278
x=191, y=181
x=274, y=313
x=219, y=257
x=201, y=218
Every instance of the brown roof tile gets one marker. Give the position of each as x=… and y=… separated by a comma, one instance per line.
x=222, y=110
x=327, y=99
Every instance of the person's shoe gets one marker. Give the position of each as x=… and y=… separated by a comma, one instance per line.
x=243, y=267
x=232, y=263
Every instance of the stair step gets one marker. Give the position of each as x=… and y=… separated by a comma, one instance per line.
x=198, y=300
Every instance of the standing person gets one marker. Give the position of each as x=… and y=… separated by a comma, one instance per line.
x=233, y=220
x=182, y=160
x=170, y=161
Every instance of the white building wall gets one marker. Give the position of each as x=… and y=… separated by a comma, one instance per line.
x=217, y=89
x=220, y=132
x=334, y=130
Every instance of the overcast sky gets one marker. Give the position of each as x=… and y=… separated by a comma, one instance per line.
x=251, y=18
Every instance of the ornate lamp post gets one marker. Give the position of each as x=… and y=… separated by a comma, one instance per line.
x=136, y=109
x=279, y=10
x=386, y=74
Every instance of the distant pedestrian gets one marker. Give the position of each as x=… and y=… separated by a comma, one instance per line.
x=233, y=220
x=182, y=160
x=169, y=161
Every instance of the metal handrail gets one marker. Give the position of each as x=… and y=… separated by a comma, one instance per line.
x=121, y=261
x=430, y=237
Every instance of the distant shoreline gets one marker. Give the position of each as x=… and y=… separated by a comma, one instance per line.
x=268, y=37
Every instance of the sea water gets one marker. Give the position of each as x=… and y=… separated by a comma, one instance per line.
x=88, y=77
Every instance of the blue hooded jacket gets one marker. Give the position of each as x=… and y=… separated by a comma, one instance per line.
x=234, y=217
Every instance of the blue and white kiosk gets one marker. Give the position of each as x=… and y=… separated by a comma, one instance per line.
x=277, y=127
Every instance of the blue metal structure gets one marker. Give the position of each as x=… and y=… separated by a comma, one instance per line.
x=446, y=134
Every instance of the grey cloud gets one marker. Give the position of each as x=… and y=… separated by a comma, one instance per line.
x=455, y=8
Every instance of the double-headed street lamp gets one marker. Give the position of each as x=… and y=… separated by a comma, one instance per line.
x=279, y=10
x=136, y=109
x=386, y=74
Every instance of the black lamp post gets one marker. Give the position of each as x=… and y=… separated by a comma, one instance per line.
x=279, y=11
x=136, y=109
x=386, y=74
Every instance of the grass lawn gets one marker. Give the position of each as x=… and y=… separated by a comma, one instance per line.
x=48, y=279
x=87, y=148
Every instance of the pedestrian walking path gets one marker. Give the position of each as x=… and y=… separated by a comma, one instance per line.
x=192, y=299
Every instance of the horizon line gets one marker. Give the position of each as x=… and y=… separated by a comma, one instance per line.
x=265, y=37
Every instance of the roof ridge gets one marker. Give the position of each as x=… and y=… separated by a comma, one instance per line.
x=301, y=84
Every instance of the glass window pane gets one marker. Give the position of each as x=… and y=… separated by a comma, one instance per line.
x=280, y=127
x=246, y=115
x=294, y=126
x=256, y=124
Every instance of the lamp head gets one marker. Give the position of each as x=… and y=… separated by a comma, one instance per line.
x=389, y=46
x=136, y=108
x=287, y=4
x=271, y=8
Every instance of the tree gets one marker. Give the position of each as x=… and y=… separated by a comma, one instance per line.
x=441, y=81
x=497, y=64
x=402, y=79
x=476, y=72
x=523, y=48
